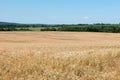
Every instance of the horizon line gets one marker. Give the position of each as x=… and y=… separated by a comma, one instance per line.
x=57, y=23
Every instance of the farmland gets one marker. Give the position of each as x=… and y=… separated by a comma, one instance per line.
x=59, y=56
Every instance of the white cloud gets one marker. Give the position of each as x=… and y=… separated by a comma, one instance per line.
x=85, y=17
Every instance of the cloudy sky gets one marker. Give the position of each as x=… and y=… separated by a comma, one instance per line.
x=60, y=11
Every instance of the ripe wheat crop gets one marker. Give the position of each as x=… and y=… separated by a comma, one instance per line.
x=59, y=56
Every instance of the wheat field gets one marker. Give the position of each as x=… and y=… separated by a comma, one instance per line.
x=59, y=56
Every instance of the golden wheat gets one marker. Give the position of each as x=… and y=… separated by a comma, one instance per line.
x=59, y=56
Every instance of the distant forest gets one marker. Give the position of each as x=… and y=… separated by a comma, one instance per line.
x=100, y=27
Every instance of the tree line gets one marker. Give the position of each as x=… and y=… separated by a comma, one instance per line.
x=113, y=28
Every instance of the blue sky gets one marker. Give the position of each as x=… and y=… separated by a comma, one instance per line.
x=60, y=11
